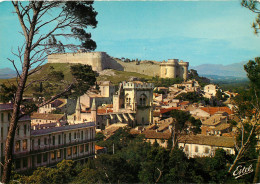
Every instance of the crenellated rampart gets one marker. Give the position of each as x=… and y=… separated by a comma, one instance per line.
x=101, y=61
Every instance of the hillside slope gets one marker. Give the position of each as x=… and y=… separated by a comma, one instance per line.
x=113, y=75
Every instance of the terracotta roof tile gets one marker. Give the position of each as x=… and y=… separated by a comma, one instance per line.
x=162, y=111
x=47, y=116
x=219, y=141
x=98, y=147
x=103, y=111
x=222, y=127
x=213, y=110
x=152, y=134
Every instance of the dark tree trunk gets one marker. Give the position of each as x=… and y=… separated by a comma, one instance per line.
x=19, y=94
x=13, y=123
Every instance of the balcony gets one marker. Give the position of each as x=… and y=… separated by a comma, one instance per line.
x=51, y=147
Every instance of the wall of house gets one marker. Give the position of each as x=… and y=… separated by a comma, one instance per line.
x=51, y=148
x=22, y=136
x=198, y=150
x=161, y=142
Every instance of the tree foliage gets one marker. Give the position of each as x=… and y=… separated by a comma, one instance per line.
x=254, y=6
x=140, y=162
x=248, y=111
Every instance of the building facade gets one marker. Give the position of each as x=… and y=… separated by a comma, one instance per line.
x=135, y=97
x=205, y=146
x=36, y=146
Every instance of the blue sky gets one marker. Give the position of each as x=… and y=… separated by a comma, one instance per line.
x=200, y=32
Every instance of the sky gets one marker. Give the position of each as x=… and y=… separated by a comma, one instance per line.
x=199, y=32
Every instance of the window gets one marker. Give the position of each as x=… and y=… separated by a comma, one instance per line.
x=206, y=150
x=64, y=138
x=65, y=154
x=186, y=148
x=18, y=163
x=143, y=100
x=45, y=157
x=18, y=130
x=53, y=140
x=9, y=116
x=17, y=146
x=228, y=151
x=59, y=139
x=2, y=117
x=45, y=141
x=39, y=158
x=86, y=136
x=58, y=154
x=2, y=132
x=81, y=148
x=75, y=135
x=39, y=142
x=2, y=149
x=25, y=162
x=69, y=151
x=70, y=137
x=81, y=135
x=86, y=147
x=24, y=129
x=196, y=149
x=75, y=150
x=53, y=155
x=25, y=144
x=32, y=143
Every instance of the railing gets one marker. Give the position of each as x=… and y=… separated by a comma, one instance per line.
x=51, y=147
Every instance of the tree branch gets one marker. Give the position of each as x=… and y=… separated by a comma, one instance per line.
x=48, y=101
x=25, y=29
x=12, y=61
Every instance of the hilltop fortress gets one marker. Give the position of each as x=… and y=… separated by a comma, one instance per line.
x=101, y=61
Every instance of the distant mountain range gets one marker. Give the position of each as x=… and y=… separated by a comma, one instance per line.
x=6, y=73
x=214, y=70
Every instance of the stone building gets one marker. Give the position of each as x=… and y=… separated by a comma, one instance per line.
x=135, y=97
x=101, y=61
x=205, y=146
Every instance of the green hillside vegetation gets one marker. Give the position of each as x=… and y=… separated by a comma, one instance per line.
x=44, y=72
x=50, y=87
x=122, y=76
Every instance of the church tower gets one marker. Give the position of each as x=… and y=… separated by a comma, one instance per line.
x=94, y=111
x=78, y=110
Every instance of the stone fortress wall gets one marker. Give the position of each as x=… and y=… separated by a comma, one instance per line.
x=101, y=61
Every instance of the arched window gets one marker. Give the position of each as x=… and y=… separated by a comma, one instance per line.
x=127, y=98
x=143, y=100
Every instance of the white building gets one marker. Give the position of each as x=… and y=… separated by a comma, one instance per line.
x=205, y=146
x=210, y=90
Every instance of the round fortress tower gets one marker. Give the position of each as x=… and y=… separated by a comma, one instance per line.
x=173, y=68
x=184, y=68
